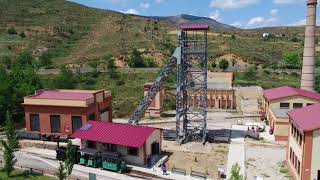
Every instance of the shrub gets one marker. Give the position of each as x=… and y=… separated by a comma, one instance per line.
x=22, y=34
x=12, y=31
x=136, y=59
x=224, y=64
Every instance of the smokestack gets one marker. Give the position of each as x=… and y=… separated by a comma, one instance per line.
x=308, y=68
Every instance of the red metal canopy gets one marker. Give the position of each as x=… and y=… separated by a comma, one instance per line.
x=114, y=133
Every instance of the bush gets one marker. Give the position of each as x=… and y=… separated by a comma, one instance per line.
x=22, y=34
x=136, y=59
x=223, y=64
x=12, y=31
x=45, y=60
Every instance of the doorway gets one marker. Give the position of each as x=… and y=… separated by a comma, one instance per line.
x=155, y=148
x=318, y=175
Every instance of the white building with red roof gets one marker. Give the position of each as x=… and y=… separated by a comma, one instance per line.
x=62, y=112
x=134, y=143
x=303, y=153
x=279, y=101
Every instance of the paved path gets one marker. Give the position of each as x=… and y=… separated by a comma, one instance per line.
x=236, y=150
x=37, y=158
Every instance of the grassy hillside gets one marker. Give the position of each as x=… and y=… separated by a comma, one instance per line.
x=72, y=33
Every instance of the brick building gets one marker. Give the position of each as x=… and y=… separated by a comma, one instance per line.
x=279, y=101
x=134, y=143
x=62, y=112
x=156, y=107
x=303, y=156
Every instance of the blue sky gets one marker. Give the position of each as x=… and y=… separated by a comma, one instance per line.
x=241, y=13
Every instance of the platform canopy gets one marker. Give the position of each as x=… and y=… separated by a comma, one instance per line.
x=194, y=26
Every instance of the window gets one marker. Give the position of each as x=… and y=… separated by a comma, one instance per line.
x=297, y=105
x=300, y=139
x=76, y=123
x=298, y=167
x=284, y=105
x=133, y=151
x=91, y=144
x=34, y=122
x=291, y=128
x=92, y=117
x=110, y=147
x=290, y=153
x=55, y=123
x=318, y=175
x=310, y=104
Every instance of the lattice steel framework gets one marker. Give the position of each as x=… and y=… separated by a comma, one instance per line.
x=191, y=98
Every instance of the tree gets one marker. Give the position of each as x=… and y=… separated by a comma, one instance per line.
x=12, y=31
x=110, y=65
x=45, y=60
x=6, y=60
x=10, y=145
x=235, y=172
x=223, y=64
x=136, y=59
x=25, y=58
x=65, y=80
x=70, y=159
x=61, y=174
x=22, y=34
x=292, y=60
x=317, y=79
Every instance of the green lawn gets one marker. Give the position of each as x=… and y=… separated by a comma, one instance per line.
x=19, y=175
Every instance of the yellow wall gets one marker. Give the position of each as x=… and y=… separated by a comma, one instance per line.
x=294, y=99
x=315, y=162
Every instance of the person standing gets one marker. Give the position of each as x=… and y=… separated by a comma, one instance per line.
x=164, y=168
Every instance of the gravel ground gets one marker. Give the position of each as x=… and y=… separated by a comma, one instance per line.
x=266, y=160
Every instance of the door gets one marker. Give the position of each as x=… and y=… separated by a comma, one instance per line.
x=318, y=175
x=155, y=148
x=104, y=115
x=55, y=123
x=35, y=122
x=76, y=123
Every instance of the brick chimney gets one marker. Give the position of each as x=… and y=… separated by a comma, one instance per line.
x=308, y=68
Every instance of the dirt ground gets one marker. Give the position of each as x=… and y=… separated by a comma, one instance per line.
x=196, y=157
x=266, y=160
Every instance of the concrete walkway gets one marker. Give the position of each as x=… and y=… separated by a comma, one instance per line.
x=48, y=156
x=237, y=149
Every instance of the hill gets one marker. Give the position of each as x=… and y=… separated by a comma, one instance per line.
x=185, y=19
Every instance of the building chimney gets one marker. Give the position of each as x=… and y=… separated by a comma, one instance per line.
x=308, y=68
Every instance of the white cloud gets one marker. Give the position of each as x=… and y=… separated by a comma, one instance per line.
x=236, y=24
x=145, y=5
x=274, y=12
x=215, y=15
x=159, y=1
x=131, y=11
x=231, y=4
x=288, y=1
x=261, y=22
x=298, y=23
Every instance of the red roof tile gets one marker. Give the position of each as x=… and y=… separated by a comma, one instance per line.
x=193, y=26
x=54, y=94
x=307, y=118
x=286, y=91
x=113, y=133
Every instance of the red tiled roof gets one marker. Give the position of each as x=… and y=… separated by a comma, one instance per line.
x=54, y=94
x=307, y=118
x=114, y=133
x=193, y=26
x=286, y=91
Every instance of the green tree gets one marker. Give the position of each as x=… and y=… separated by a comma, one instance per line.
x=61, y=174
x=65, y=80
x=317, y=79
x=70, y=160
x=250, y=73
x=25, y=58
x=6, y=60
x=136, y=59
x=110, y=65
x=12, y=31
x=45, y=60
x=10, y=145
x=235, y=172
x=223, y=64
x=22, y=34
x=292, y=60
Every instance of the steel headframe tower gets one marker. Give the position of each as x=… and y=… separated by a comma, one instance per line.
x=191, y=97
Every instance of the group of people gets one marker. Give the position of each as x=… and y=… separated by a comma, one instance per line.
x=257, y=129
